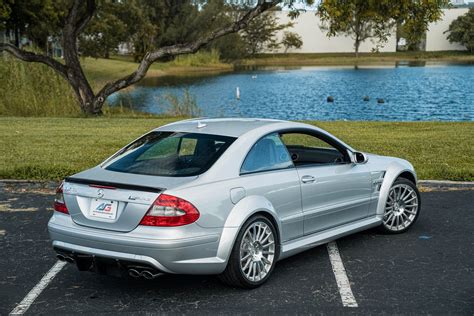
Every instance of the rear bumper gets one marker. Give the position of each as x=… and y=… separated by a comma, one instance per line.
x=165, y=249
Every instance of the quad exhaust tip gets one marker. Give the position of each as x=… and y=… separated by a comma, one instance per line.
x=145, y=274
x=64, y=258
x=134, y=273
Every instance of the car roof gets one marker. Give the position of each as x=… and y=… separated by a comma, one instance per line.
x=233, y=127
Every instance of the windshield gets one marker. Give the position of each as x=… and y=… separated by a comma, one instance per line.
x=170, y=154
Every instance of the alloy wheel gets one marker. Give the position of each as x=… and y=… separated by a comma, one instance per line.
x=401, y=207
x=257, y=251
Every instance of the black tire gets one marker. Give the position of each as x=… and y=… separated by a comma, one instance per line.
x=384, y=228
x=233, y=274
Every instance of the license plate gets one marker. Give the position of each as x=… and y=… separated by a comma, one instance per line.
x=103, y=208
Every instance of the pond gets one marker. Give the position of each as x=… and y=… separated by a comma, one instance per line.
x=422, y=93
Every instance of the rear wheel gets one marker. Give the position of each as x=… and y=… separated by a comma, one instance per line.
x=253, y=256
x=402, y=207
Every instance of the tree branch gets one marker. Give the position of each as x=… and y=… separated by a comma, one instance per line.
x=33, y=57
x=86, y=17
x=180, y=49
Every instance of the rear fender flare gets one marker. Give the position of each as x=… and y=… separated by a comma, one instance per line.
x=241, y=212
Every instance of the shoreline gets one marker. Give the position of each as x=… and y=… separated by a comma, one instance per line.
x=309, y=60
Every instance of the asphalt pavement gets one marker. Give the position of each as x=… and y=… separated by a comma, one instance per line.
x=428, y=270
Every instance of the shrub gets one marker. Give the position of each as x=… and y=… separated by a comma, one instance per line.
x=31, y=89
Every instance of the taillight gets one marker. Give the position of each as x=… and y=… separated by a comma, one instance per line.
x=170, y=210
x=59, y=205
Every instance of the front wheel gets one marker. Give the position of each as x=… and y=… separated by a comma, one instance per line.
x=402, y=207
x=253, y=256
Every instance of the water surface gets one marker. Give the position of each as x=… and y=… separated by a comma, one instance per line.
x=434, y=92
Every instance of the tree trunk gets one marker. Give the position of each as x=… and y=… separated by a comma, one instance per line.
x=17, y=37
x=356, y=46
x=75, y=75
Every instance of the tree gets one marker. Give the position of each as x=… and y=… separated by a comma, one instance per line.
x=461, y=30
x=290, y=40
x=364, y=19
x=261, y=33
x=413, y=18
x=105, y=31
x=78, y=17
x=36, y=19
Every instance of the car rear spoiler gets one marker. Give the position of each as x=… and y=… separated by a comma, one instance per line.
x=115, y=185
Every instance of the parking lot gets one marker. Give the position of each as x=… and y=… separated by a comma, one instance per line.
x=428, y=270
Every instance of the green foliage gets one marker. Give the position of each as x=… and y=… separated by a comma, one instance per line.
x=201, y=58
x=230, y=47
x=153, y=24
x=5, y=10
x=29, y=89
x=52, y=148
x=36, y=19
x=414, y=17
x=461, y=30
x=105, y=31
x=364, y=19
x=261, y=32
x=291, y=40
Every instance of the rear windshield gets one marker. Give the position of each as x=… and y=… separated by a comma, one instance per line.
x=170, y=154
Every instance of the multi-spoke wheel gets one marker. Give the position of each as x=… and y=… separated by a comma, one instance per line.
x=254, y=254
x=257, y=251
x=402, y=206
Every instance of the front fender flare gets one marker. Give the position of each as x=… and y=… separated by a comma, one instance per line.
x=394, y=170
x=241, y=212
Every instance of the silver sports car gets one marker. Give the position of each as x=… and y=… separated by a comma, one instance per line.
x=228, y=197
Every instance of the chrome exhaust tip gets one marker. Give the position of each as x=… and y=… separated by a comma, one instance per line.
x=150, y=275
x=147, y=275
x=133, y=273
x=69, y=259
x=60, y=257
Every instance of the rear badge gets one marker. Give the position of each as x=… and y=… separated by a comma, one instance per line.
x=137, y=198
x=100, y=193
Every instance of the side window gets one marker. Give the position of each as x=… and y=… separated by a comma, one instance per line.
x=306, y=149
x=269, y=153
x=187, y=146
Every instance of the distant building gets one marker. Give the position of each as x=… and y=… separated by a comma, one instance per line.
x=307, y=25
x=53, y=47
x=458, y=2
x=437, y=37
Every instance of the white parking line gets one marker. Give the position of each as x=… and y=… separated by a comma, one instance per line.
x=21, y=308
x=348, y=299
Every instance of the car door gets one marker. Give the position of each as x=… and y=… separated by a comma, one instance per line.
x=268, y=171
x=334, y=190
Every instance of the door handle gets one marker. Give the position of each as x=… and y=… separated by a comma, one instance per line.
x=308, y=179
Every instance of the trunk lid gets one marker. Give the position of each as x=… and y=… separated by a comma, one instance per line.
x=111, y=200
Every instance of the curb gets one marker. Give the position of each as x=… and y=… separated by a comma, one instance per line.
x=445, y=184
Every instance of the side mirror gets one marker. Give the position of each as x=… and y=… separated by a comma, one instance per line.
x=359, y=158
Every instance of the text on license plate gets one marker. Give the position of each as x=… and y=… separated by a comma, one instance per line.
x=103, y=208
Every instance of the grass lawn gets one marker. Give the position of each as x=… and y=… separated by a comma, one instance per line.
x=52, y=148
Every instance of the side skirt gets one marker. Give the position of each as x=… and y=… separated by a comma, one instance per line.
x=306, y=242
